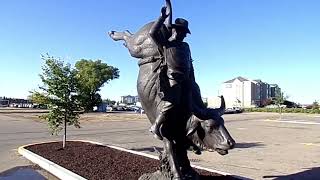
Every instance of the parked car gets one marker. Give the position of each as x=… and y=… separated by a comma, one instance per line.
x=139, y=110
x=232, y=110
x=109, y=108
x=238, y=109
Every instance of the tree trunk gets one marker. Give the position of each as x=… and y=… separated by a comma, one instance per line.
x=280, y=112
x=65, y=132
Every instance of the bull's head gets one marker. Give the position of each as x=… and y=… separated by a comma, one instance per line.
x=211, y=134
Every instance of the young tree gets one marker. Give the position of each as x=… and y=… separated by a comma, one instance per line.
x=91, y=76
x=279, y=100
x=58, y=93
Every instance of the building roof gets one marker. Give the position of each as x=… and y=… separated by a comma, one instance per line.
x=257, y=80
x=274, y=85
x=241, y=79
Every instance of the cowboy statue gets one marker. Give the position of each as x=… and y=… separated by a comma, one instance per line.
x=171, y=97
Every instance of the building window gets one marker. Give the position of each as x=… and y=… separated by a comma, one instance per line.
x=228, y=85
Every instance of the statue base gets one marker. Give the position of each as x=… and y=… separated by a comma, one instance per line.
x=164, y=173
x=158, y=175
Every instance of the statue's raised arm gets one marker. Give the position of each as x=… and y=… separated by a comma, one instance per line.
x=159, y=31
x=168, y=21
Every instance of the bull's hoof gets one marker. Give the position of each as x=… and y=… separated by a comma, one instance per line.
x=111, y=34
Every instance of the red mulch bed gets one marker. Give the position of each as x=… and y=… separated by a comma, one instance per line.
x=93, y=161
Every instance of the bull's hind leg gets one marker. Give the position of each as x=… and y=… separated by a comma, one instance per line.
x=126, y=35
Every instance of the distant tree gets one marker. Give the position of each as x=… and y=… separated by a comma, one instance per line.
x=91, y=76
x=58, y=93
x=315, y=105
x=109, y=102
x=266, y=102
x=279, y=100
x=289, y=104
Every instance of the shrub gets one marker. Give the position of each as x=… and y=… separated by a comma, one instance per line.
x=284, y=110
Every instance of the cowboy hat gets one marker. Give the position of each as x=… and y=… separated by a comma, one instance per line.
x=181, y=23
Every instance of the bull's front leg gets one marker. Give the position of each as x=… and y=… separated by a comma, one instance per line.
x=171, y=153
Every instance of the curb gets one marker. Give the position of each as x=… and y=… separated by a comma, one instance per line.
x=63, y=173
x=49, y=166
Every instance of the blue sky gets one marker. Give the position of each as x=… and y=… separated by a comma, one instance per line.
x=276, y=41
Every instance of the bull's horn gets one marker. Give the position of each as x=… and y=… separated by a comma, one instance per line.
x=192, y=125
x=222, y=106
x=220, y=111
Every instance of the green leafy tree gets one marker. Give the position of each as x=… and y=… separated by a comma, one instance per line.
x=58, y=92
x=109, y=102
x=315, y=105
x=91, y=76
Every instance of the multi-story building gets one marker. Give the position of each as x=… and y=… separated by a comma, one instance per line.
x=239, y=92
x=263, y=92
x=275, y=90
x=242, y=92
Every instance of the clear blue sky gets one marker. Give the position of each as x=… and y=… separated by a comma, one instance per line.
x=277, y=41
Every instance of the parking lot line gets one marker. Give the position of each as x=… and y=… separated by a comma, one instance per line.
x=310, y=144
x=293, y=122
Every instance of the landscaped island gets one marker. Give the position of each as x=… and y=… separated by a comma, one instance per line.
x=93, y=161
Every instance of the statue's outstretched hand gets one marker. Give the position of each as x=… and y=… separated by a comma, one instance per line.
x=164, y=12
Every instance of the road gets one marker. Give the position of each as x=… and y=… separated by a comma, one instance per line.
x=268, y=146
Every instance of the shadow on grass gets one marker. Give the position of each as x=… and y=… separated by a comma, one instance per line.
x=22, y=172
x=244, y=145
x=309, y=174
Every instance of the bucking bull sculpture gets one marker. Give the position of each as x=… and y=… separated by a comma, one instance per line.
x=200, y=128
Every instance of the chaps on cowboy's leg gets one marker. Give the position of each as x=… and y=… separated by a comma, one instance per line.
x=171, y=97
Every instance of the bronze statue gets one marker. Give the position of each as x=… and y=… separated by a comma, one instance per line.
x=170, y=96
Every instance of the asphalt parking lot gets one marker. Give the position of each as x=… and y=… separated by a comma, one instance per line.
x=268, y=146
